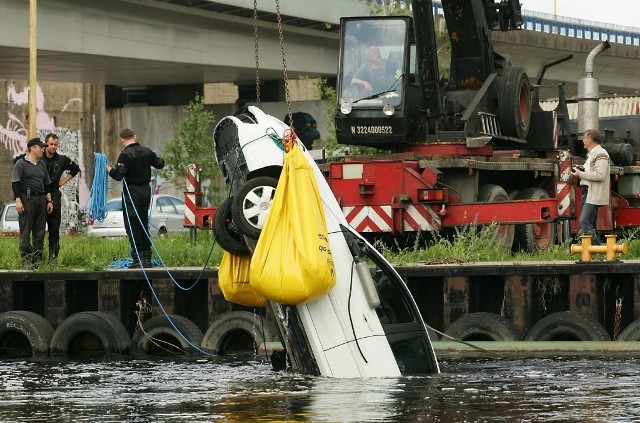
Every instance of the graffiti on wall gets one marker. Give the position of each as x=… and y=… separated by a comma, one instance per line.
x=13, y=136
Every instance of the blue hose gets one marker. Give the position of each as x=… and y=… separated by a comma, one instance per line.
x=99, y=188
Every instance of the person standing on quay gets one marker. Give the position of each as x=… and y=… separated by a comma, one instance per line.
x=134, y=167
x=599, y=176
x=31, y=187
x=57, y=164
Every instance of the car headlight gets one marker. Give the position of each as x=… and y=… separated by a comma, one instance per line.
x=345, y=108
x=388, y=109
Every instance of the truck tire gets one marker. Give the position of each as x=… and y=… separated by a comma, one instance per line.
x=90, y=331
x=227, y=235
x=159, y=335
x=483, y=327
x=24, y=332
x=239, y=331
x=534, y=237
x=631, y=332
x=490, y=193
x=251, y=205
x=514, y=102
x=567, y=326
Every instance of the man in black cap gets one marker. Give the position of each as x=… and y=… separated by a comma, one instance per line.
x=31, y=186
x=57, y=164
x=134, y=167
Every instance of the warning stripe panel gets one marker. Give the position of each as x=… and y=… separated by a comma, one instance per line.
x=369, y=218
x=420, y=218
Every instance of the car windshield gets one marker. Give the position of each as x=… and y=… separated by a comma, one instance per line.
x=12, y=214
x=114, y=205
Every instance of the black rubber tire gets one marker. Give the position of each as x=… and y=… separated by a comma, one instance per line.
x=631, y=332
x=483, y=327
x=110, y=331
x=490, y=193
x=514, y=102
x=17, y=328
x=160, y=328
x=534, y=237
x=256, y=193
x=229, y=332
x=227, y=235
x=567, y=326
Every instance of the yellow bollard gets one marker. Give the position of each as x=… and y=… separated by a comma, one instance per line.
x=610, y=248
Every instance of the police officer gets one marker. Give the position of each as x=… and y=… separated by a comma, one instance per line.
x=31, y=187
x=57, y=164
x=134, y=167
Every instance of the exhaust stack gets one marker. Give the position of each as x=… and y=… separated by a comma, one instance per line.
x=589, y=93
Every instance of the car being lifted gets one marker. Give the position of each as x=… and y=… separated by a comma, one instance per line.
x=368, y=324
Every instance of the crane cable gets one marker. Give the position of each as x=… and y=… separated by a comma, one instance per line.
x=284, y=61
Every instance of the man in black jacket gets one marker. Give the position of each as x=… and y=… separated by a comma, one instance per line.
x=134, y=167
x=31, y=187
x=57, y=164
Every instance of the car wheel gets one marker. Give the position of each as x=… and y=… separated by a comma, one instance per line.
x=227, y=236
x=252, y=203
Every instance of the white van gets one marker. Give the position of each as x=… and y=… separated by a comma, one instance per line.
x=368, y=324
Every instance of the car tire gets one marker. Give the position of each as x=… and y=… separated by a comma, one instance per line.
x=225, y=231
x=252, y=203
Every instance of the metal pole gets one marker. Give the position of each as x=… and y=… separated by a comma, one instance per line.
x=33, y=61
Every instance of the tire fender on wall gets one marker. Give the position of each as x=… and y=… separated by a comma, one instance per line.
x=35, y=328
x=111, y=332
x=255, y=325
x=162, y=328
x=474, y=326
x=566, y=325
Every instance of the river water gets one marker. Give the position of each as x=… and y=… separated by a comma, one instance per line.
x=236, y=389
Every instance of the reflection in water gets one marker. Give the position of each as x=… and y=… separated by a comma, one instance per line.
x=228, y=389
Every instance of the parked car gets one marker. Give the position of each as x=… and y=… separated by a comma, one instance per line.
x=167, y=216
x=9, y=225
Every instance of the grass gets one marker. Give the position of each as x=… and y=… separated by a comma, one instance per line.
x=96, y=253
x=469, y=244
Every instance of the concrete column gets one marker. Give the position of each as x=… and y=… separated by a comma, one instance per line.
x=636, y=297
x=518, y=301
x=55, y=301
x=165, y=290
x=109, y=299
x=6, y=296
x=456, y=299
x=584, y=296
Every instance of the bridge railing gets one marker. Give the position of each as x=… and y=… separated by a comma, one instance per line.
x=570, y=27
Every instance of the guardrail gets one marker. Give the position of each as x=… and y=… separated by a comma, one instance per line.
x=571, y=27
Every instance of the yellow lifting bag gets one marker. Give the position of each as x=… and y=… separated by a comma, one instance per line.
x=292, y=263
x=233, y=279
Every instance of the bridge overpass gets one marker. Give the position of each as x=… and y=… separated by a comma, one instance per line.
x=170, y=42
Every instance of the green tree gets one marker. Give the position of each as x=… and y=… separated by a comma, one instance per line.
x=193, y=144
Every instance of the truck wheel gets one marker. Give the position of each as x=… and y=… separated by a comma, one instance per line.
x=631, y=332
x=483, y=327
x=514, y=102
x=491, y=193
x=534, y=237
x=567, y=326
x=227, y=235
x=251, y=205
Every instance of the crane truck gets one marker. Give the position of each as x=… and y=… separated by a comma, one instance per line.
x=471, y=147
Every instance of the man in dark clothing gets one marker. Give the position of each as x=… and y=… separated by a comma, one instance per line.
x=57, y=164
x=134, y=168
x=31, y=187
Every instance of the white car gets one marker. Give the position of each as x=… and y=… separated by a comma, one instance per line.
x=9, y=225
x=368, y=325
x=166, y=216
